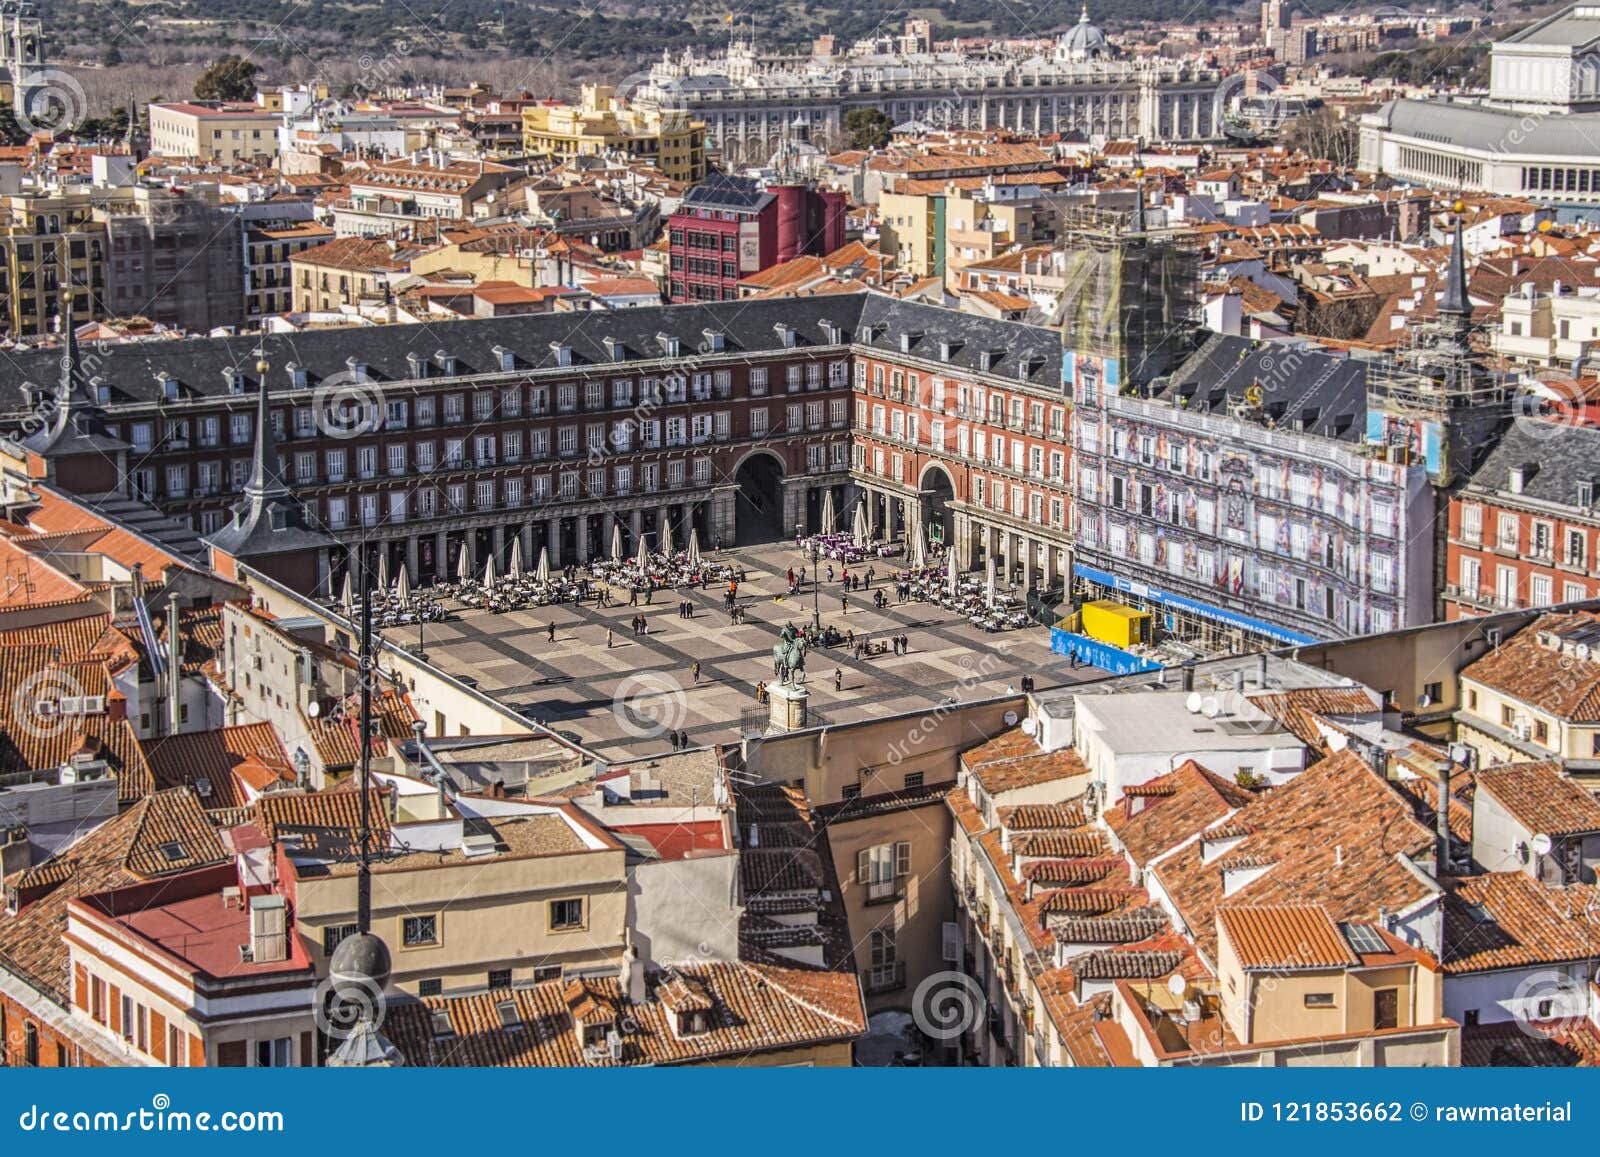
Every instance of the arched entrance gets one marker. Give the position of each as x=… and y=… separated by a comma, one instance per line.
x=758, y=515
x=938, y=492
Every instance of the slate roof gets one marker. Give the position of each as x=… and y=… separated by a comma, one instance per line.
x=1554, y=457
x=203, y=367
x=1328, y=392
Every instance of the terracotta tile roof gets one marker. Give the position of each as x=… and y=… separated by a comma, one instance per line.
x=1197, y=799
x=1336, y=836
x=336, y=739
x=29, y=742
x=1126, y=964
x=1127, y=927
x=1285, y=937
x=1541, y=798
x=1038, y=816
x=232, y=759
x=1515, y=1044
x=1542, y=677
x=323, y=823
x=32, y=583
x=124, y=850
x=1511, y=920
x=752, y=1009
x=1064, y=844
x=1090, y=901
x=1297, y=710
x=793, y=863
x=1012, y=760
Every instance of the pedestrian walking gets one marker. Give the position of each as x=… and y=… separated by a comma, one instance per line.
x=838, y=679
x=844, y=604
x=551, y=632
x=608, y=638
x=694, y=670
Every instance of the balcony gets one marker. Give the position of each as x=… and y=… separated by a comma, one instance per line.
x=884, y=978
x=885, y=891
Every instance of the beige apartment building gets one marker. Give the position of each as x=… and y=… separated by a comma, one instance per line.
x=213, y=131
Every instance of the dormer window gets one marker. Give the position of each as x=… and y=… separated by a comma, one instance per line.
x=506, y=359
x=562, y=352
x=417, y=364
x=669, y=345
x=102, y=390
x=693, y=1022
x=908, y=340
x=169, y=386
x=1586, y=494
x=834, y=332
x=615, y=349
x=298, y=375
x=235, y=379
x=446, y=362
x=947, y=349
x=716, y=340
x=356, y=367
x=786, y=334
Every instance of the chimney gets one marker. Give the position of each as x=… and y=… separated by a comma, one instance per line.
x=269, y=930
x=174, y=663
x=1441, y=820
x=1517, y=478
x=1261, y=670
x=633, y=974
x=1188, y=676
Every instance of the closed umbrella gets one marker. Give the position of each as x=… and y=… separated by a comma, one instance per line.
x=542, y=571
x=347, y=598
x=402, y=586
x=988, y=594
x=919, y=545
x=643, y=558
x=694, y=544
x=827, y=511
x=516, y=557
x=488, y=572
x=955, y=576
x=464, y=566
x=616, y=542
x=666, y=537
x=859, y=531
x=383, y=568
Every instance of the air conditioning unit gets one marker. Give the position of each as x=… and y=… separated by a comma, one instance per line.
x=44, y=706
x=1521, y=729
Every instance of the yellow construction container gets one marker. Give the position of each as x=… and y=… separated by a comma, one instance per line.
x=1115, y=624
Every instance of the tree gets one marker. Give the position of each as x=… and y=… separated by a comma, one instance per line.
x=1323, y=133
x=868, y=128
x=112, y=56
x=11, y=133
x=231, y=78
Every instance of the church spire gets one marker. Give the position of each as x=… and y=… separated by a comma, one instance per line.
x=266, y=479
x=1455, y=300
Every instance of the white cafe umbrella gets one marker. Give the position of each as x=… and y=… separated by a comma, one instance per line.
x=666, y=537
x=642, y=559
x=516, y=557
x=347, y=599
x=859, y=531
x=988, y=594
x=827, y=511
x=402, y=586
x=919, y=545
x=383, y=568
x=694, y=544
x=955, y=576
x=616, y=542
x=464, y=567
x=488, y=572
x=542, y=571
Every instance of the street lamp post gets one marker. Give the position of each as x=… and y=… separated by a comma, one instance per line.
x=816, y=583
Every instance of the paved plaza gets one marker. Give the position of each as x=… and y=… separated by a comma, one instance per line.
x=576, y=683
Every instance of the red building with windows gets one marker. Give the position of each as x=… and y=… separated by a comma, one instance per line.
x=1525, y=531
x=730, y=227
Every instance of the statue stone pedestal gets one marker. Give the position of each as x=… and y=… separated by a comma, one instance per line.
x=788, y=705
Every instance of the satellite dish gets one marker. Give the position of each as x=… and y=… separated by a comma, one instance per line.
x=1542, y=844
x=1338, y=741
x=1010, y=718
x=1582, y=651
x=1192, y=703
x=315, y=709
x=1424, y=700
x=1210, y=708
x=1030, y=726
x=1177, y=985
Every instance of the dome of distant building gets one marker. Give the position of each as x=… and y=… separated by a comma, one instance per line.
x=1084, y=41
